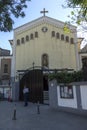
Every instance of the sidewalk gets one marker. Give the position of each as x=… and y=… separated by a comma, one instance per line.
x=27, y=118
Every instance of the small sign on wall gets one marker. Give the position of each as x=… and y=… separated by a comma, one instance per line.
x=66, y=91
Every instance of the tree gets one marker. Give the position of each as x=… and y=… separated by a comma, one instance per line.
x=8, y=9
x=79, y=14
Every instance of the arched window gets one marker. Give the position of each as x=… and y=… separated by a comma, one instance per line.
x=53, y=33
x=62, y=37
x=18, y=41
x=57, y=35
x=36, y=34
x=31, y=36
x=45, y=62
x=22, y=40
x=71, y=40
x=27, y=38
x=67, y=38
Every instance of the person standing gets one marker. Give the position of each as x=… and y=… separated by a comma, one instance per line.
x=25, y=93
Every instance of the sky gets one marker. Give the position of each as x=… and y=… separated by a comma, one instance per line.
x=54, y=8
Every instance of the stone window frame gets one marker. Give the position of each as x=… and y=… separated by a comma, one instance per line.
x=66, y=91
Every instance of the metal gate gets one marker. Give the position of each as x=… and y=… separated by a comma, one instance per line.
x=34, y=81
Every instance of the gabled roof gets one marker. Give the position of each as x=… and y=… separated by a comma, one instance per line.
x=41, y=20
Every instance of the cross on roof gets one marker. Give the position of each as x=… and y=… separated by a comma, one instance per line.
x=44, y=11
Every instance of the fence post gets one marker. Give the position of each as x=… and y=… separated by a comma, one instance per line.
x=38, y=107
x=14, y=114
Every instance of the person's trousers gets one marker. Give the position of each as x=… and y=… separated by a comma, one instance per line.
x=26, y=99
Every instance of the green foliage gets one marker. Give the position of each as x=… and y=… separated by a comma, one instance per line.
x=66, y=28
x=79, y=13
x=8, y=9
x=67, y=77
x=72, y=12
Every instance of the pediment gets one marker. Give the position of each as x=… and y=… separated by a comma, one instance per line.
x=40, y=21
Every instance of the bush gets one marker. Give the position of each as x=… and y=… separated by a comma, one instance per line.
x=67, y=77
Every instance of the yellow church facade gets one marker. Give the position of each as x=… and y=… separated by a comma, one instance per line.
x=45, y=36
x=43, y=43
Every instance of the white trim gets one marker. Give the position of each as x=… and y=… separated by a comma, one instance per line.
x=83, y=90
x=40, y=21
x=13, y=65
x=67, y=102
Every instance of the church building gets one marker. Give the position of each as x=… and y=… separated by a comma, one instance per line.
x=40, y=47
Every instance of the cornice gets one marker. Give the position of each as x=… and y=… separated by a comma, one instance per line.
x=40, y=21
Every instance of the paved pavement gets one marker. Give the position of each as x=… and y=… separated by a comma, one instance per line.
x=27, y=118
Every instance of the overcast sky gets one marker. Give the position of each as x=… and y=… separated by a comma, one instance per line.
x=54, y=8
